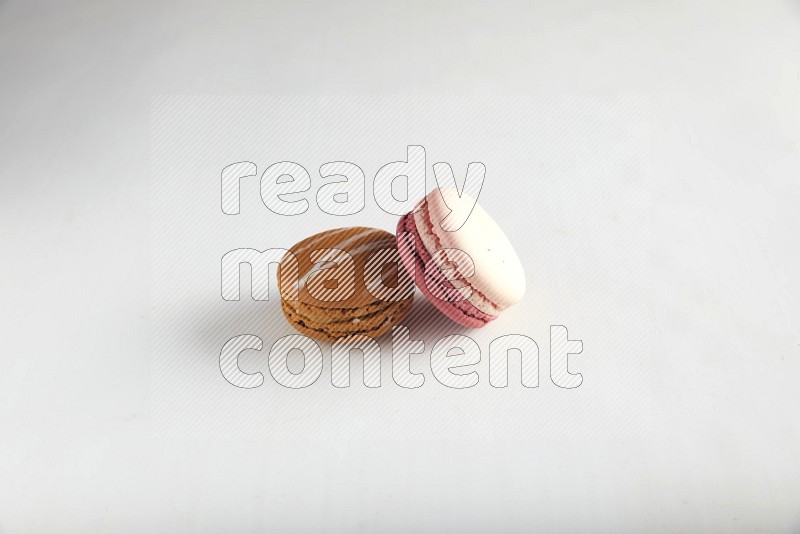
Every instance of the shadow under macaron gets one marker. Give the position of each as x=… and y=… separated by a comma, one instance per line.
x=424, y=321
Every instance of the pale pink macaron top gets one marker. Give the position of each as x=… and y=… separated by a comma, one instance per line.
x=498, y=280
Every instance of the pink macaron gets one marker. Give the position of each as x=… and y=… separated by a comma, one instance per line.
x=467, y=268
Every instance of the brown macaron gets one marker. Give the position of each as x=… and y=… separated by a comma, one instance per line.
x=342, y=282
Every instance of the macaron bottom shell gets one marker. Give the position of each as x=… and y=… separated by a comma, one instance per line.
x=414, y=257
x=332, y=324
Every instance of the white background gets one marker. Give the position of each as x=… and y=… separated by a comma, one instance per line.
x=654, y=192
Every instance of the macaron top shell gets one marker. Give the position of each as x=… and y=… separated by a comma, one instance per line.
x=326, y=286
x=499, y=275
